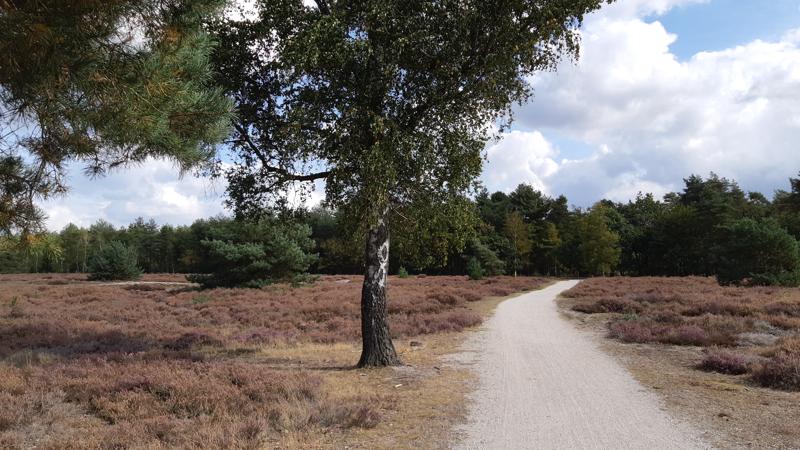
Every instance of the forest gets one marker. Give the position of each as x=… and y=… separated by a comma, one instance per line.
x=711, y=227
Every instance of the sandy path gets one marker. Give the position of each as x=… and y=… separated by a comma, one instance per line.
x=545, y=385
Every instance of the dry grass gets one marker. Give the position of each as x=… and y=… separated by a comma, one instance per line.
x=88, y=365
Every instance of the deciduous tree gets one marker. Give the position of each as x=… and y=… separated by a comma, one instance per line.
x=598, y=246
x=518, y=234
x=389, y=101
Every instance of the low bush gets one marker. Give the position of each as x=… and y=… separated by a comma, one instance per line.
x=758, y=252
x=782, y=371
x=474, y=269
x=173, y=368
x=255, y=253
x=685, y=335
x=114, y=261
x=633, y=331
x=609, y=305
x=748, y=321
x=402, y=272
x=723, y=361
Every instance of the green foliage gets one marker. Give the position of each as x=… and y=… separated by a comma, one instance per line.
x=759, y=252
x=429, y=233
x=786, y=208
x=402, y=272
x=43, y=251
x=485, y=256
x=474, y=269
x=105, y=84
x=339, y=251
x=387, y=101
x=114, y=261
x=518, y=234
x=595, y=248
x=19, y=186
x=254, y=253
x=652, y=238
x=75, y=241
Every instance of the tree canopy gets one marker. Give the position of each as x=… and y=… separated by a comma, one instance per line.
x=104, y=84
x=390, y=102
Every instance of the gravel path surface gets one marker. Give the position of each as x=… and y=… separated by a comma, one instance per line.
x=543, y=384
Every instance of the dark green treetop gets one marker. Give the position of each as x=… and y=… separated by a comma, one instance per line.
x=105, y=83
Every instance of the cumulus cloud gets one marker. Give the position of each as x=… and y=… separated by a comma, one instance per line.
x=654, y=119
x=647, y=117
x=520, y=156
x=153, y=189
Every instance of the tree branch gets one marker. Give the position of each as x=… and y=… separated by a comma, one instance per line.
x=269, y=168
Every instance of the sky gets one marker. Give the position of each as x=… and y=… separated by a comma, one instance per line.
x=663, y=89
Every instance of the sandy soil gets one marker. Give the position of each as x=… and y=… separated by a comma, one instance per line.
x=545, y=384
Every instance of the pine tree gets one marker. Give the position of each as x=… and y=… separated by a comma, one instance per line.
x=115, y=261
x=103, y=84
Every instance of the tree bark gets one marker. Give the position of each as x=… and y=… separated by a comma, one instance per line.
x=377, y=349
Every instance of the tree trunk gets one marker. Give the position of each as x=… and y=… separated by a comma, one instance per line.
x=377, y=348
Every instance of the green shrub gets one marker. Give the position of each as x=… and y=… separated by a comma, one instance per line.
x=474, y=269
x=489, y=261
x=255, y=253
x=114, y=261
x=402, y=272
x=787, y=279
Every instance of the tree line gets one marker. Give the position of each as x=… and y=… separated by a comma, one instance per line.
x=711, y=227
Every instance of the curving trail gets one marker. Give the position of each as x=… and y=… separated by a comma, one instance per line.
x=545, y=385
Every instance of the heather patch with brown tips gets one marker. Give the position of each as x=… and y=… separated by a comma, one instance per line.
x=98, y=365
x=696, y=311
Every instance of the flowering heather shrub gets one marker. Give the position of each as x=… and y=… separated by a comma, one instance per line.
x=88, y=317
x=782, y=371
x=723, y=361
x=165, y=403
x=685, y=335
x=719, y=308
x=666, y=316
x=92, y=365
x=791, y=309
x=697, y=311
x=635, y=331
x=609, y=305
x=691, y=310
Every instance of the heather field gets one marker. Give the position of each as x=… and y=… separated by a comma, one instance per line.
x=743, y=330
x=729, y=357
x=160, y=365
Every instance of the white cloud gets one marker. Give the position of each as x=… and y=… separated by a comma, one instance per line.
x=150, y=190
x=520, y=156
x=642, y=8
x=650, y=118
x=655, y=119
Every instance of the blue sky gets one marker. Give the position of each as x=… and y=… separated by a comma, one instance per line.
x=720, y=24
x=663, y=89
